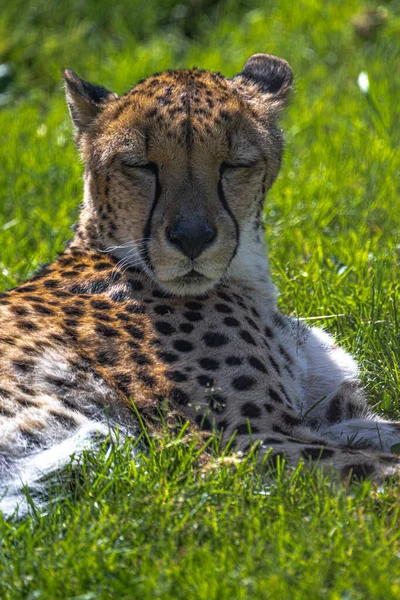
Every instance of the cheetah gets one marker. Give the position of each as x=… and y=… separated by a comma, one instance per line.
x=164, y=296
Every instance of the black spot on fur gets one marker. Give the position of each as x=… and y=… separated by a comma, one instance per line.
x=23, y=366
x=76, y=288
x=183, y=345
x=274, y=364
x=233, y=361
x=164, y=328
x=247, y=337
x=224, y=296
x=59, y=382
x=106, y=331
x=100, y=316
x=98, y=286
x=163, y=309
x=147, y=379
x=223, y=308
x=105, y=358
x=240, y=302
x=252, y=323
x=123, y=317
x=31, y=350
x=231, y=322
x=186, y=327
x=203, y=422
x=280, y=320
x=268, y=332
x=317, y=453
x=271, y=441
x=101, y=265
x=123, y=381
x=257, y=364
x=37, y=299
x=223, y=425
x=168, y=357
x=72, y=311
x=246, y=428
x=243, y=383
x=278, y=429
x=177, y=376
x=27, y=325
x=194, y=305
x=4, y=412
x=289, y=419
x=32, y=438
x=249, y=409
x=193, y=316
x=119, y=296
x=285, y=354
x=334, y=413
x=69, y=274
x=205, y=381
x=26, y=288
x=70, y=323
x=217, y=403
x=43, y=310
x=24, y=401
x=135, y=285
x=215, y=339
x=180, y=397
x=135, y=308
x=161, y=294
x=141, y=359
x=134, y=331
x=56, y=337
x=132, y=344
x=67, y=421
x=209, y=364
x=100, y=304
x=359, y=471
x=20, y=311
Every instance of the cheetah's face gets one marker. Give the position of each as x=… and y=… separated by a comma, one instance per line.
x=178, y=167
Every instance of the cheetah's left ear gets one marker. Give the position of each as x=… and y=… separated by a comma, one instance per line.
x=85, y=100
x=265, y=77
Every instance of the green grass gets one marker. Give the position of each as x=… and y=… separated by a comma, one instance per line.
x=159, y=525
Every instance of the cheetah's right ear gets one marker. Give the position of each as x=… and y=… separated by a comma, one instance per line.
x=84, y=99
x=265, y=77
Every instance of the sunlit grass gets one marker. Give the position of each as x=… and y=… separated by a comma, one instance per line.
x=162, y=524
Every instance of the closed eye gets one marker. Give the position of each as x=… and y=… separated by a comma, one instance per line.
x=225, y=165
x=152, y=167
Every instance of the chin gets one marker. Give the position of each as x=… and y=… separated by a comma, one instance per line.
x=188, y=285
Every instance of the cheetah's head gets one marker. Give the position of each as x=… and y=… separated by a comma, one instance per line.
x=177, y=169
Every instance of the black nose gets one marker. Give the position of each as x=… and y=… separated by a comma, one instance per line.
x=191, y=236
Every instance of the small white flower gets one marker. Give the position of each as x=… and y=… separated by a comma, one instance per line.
x=42, y=130
x=363, y=82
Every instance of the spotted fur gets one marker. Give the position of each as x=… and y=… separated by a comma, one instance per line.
x=164, y=294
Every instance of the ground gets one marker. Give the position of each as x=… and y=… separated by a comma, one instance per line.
x=160, y=526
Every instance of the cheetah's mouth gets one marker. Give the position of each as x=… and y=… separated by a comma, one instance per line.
x=193, y=275
x=192, y=282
